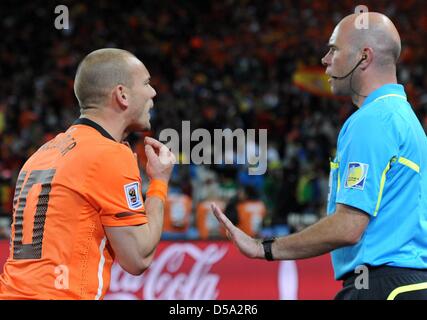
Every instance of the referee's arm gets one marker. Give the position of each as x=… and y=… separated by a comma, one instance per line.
x=341, y=229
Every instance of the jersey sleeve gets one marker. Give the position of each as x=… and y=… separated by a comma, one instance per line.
x=114, y=188
x=366, y=152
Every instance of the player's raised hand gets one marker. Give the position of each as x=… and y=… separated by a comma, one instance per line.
x=249, y=246
x=160, y=160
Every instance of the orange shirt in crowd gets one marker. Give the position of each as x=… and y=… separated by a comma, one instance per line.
x=250, y=215
x=177, y=213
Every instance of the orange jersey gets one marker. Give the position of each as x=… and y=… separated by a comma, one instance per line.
x=66, y=192
x=207, y=225
x=177, y=213
x=250, y=214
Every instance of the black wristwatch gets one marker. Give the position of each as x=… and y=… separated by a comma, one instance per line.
x=266, y=243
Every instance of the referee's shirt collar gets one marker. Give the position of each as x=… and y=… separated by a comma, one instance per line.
x=392, y=88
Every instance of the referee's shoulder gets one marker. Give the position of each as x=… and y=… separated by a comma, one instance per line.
x=385, y=111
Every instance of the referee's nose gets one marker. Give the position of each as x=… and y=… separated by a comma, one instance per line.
x=326, y=60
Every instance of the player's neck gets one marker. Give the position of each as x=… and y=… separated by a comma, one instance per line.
x=113, y=127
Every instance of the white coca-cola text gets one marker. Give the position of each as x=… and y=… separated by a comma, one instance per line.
x=182, y=271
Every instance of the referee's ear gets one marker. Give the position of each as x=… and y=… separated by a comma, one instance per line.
x=367, y=58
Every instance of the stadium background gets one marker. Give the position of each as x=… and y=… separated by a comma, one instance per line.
x=219, y=64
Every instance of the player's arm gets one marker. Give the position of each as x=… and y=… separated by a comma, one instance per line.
x=341, y=229
x=134, y=246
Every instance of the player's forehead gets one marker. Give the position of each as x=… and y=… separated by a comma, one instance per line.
x=138, y=69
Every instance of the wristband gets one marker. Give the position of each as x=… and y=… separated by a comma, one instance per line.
x=266, y=243
x=158, y=188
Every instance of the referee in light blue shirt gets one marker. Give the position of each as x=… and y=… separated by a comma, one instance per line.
x=377, y=202
x=380, y=168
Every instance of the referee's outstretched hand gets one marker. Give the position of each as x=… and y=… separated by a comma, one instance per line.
x=249, y=246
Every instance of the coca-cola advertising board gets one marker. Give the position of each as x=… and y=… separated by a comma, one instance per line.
x=216, y=270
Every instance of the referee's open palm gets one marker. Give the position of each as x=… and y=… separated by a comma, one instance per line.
x=249, y=246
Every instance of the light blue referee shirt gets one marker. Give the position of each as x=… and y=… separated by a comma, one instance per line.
x=381, y=168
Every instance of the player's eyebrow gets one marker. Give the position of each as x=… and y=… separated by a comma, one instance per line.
x=147, y=81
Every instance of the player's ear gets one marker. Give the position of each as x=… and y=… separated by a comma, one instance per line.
x=121, y=96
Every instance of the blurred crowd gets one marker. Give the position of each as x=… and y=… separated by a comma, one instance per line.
x=218, y=64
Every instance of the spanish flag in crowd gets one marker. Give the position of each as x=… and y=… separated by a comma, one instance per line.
x=313, y=80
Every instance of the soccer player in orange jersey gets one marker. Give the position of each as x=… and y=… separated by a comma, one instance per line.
x=78, y=201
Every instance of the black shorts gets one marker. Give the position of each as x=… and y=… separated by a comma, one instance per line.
x=385, y=283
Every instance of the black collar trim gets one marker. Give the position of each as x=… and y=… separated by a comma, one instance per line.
x=90, y=123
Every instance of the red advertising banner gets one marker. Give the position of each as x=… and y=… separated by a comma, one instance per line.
x=216, y=270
